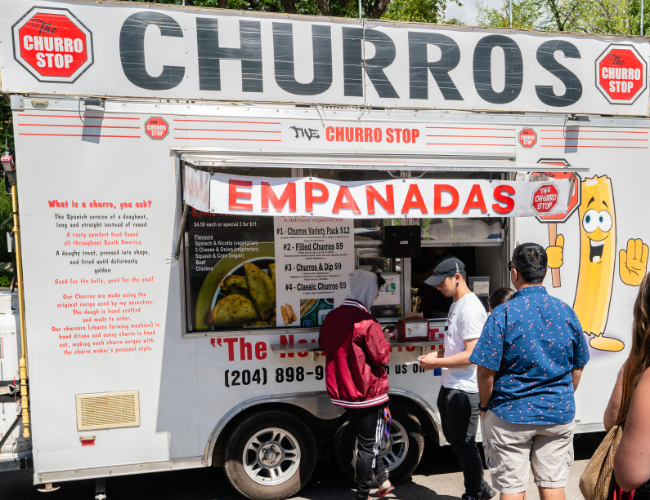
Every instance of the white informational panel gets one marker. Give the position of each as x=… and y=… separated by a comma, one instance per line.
x=176, y=53
x=391, y=292
x=313, y=258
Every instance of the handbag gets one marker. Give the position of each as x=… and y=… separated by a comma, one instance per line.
x=597, y=481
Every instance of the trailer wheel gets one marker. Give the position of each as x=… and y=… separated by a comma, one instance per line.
x=401, y=454
x=270, y=456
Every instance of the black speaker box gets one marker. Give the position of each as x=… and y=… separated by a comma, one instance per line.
x=402, y=241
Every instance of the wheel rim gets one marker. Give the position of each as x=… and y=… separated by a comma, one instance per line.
x=271, y=456
x=393, y=450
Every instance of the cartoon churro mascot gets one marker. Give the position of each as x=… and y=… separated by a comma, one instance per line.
x=598, y=260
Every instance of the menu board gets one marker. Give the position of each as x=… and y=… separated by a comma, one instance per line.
x=314, y=257
x=261, y=272
x=231, y=261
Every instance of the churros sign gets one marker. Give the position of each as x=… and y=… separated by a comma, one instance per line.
x=450, y=198
x=53, y=45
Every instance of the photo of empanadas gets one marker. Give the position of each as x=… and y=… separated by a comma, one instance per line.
x=272, y=272
x=228, y=277
x=261, y=290
x=235, y=285
x=285, y=315
x=233, y=310
x=258, y=324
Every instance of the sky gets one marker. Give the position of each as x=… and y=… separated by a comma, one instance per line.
x=466, y=13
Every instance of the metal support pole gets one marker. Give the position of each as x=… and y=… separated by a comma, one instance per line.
x=642, y=2
x=360, y=9
x=510, y=12
x=179, y=240
x=24, y=400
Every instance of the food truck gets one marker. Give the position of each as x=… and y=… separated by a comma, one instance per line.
x=193, y=187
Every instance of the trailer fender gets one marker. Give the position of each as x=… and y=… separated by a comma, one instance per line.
x=316, y=403
x=431, y=424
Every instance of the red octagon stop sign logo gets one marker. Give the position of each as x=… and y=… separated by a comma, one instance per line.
x=156, y=128
x=527, y=137
x=621, y=74
x=545, y=198
x=52, y=44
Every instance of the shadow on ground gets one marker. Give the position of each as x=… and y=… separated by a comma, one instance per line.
x=327, y=483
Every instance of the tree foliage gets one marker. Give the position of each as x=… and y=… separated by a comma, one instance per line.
x=426, y=11
x=526, y=14
x=420, y=11
x=6, y=134
x=613, y=17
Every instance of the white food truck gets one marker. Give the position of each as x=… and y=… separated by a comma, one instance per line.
x=195, y=185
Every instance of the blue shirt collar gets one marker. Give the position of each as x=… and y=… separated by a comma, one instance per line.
x=529, y=289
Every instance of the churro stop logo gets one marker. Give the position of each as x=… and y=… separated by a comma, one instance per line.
x=621, y=74
x=53, y=45
x=527, y=138
x=545, y=198
x=156, y=128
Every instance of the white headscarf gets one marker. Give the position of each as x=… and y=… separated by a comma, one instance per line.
x=363, y=287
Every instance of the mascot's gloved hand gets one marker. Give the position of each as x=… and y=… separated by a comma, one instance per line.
x=633, y=262
x=555, y=253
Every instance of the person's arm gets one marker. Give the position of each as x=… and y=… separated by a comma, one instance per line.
x=614, y=406
x=377, y=348
x=576, y=373
x=632, y=460
x=436, y=359
x=485, y=378
x=580, y=351
x=471, y=324
x=488, y=355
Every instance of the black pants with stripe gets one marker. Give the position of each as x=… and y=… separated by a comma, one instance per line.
x=370, y=428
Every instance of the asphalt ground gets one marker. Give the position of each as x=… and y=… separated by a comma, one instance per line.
x=438, y=477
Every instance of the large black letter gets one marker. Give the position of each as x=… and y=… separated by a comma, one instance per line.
x=353, y=62
x=483, y=69
x=132, y=51
x=546, y=59
x=285, y=76
x=210, y=54
x=419, y=63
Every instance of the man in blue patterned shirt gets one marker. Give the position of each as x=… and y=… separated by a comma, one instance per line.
x=530, y=357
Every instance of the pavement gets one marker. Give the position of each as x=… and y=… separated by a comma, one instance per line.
x=438, y=477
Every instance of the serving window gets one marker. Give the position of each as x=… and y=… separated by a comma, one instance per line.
x=245, y=271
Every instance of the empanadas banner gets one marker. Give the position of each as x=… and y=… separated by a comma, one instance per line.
x=448, y=198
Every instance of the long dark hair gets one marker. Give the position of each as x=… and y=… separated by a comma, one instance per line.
x=500, y=296
x=639, y=360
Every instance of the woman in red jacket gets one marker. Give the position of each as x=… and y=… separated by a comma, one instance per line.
x=356, y=354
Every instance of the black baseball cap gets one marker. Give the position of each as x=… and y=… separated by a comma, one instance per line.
x=445, y=268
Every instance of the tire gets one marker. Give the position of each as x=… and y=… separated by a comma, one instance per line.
x=400, y=467
x=260, y=474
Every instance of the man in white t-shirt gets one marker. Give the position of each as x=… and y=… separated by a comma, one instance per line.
x=458, y=400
